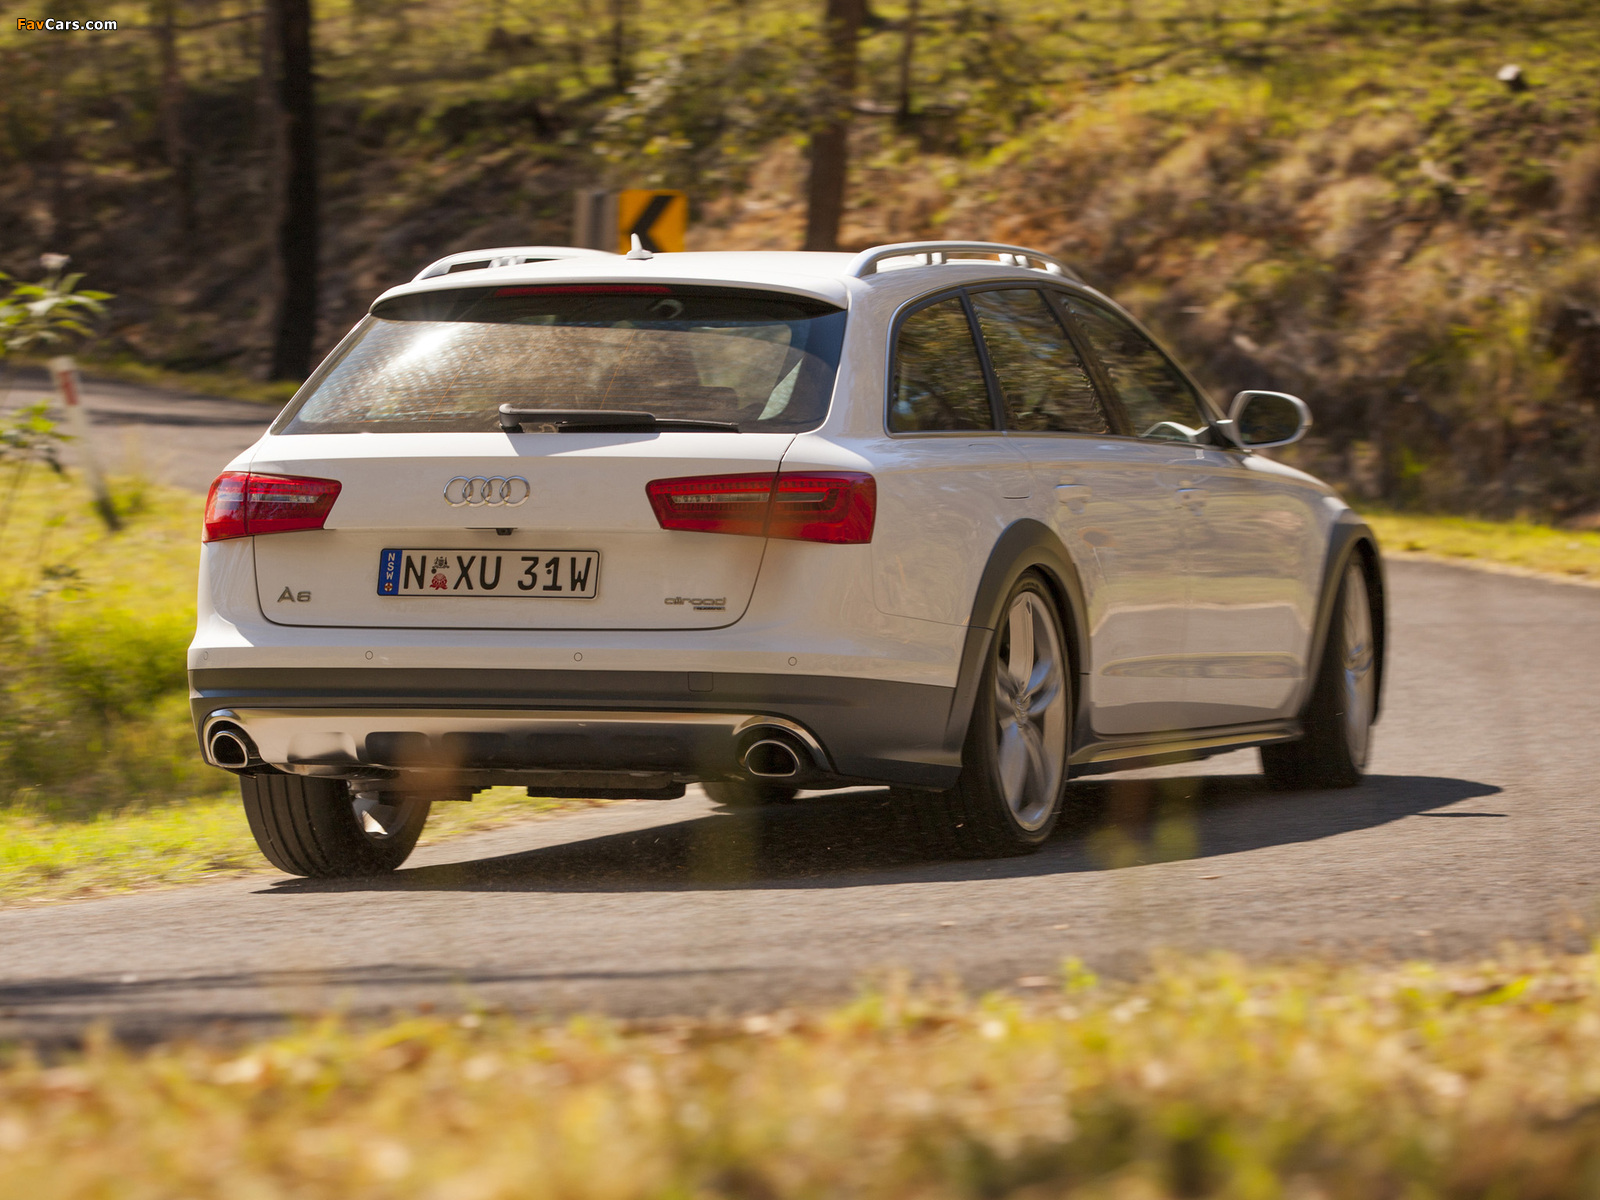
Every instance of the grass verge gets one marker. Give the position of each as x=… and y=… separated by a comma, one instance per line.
x=102, y=788
x=1207, y=1078
x=93, y=626
x=232, y=385
x=44, y=858
x=1540, y=549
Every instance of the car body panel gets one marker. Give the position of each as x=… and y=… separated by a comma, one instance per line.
x=1112, y=502
x=940, y=497
x=1255, y=548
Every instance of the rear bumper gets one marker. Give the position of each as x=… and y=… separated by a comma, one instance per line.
x=335, y=721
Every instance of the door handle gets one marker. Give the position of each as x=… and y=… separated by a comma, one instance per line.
x=1192, y=497
x=1073, y=495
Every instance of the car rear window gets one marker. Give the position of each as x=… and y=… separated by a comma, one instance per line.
x=447, y=360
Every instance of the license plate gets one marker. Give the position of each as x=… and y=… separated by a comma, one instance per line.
x=559, y=574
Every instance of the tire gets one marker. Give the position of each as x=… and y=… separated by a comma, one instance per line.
x=1338, y=721
x=1014, y=764
x=319, y=828
x=743, y=794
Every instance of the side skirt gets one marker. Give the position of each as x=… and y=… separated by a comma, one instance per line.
x=1104, y=754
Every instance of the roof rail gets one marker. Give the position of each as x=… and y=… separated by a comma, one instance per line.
x=934, y=253
x=501, y=256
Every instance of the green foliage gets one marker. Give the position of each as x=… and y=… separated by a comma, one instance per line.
x=703, y=118
x=48, y=314
x=28, y=433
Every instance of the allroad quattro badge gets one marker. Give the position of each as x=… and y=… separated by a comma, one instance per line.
x=700, y=603
x=496, y=491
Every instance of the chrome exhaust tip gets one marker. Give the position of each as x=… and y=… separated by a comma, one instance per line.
x=770, y=758
x=230, y=749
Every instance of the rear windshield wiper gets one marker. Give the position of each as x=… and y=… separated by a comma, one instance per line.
x=603, y=420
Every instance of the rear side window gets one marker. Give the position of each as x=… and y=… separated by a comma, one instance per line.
x=1159, y=401
x=938, y=379
x=447, y=360
x=1043, y=381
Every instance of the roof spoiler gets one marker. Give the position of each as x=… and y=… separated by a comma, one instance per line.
x=503, y=256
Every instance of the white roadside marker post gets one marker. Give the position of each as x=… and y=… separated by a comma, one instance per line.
x=64, y=371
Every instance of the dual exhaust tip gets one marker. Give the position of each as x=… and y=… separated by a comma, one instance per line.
x=774, y=754
x=770, y=754
x=230, y=748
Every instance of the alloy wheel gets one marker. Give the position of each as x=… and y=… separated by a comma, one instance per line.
x=378, y=820
x=1030, y=709
x=1358, y=679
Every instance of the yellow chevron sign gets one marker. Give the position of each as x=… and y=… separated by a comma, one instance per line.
x=659, y=216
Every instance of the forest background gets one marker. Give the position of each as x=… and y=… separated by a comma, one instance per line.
x=1352, y=200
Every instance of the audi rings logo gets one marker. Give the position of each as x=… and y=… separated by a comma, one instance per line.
x=497, y=491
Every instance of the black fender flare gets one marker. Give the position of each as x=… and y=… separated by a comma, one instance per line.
x=1349, y=536
x=1025, y=545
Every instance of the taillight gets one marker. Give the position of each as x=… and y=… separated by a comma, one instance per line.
x=242, y=504
x=713, y=503
x=807, y=506
x=824, y=506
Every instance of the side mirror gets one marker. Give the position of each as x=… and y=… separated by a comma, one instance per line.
x=1262, y=420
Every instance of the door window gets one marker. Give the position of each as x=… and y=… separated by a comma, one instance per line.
x=1159, y=401
x=938, y=380
x=1042, y=380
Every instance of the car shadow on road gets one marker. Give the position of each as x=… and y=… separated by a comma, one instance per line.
x=862, y=839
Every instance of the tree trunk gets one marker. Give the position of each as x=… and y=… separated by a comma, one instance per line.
x=621, y=64
x=908, y=51
x=296, y=234
x=175, y=142
x=830, y=142
x=60, y=224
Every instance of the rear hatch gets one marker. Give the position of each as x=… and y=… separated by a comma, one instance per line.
x=582, y=551
x=476, y=491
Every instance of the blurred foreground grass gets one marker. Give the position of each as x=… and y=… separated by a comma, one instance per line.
x=1206, y=1078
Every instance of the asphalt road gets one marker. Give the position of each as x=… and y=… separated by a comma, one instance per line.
x=164, y=436
x=1477, y=824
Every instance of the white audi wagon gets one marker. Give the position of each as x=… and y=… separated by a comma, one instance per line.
x=935, y=516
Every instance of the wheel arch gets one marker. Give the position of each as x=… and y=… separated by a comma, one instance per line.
x=1350, y=537
x=1025, y=545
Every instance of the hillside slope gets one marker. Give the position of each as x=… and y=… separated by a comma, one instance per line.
x=1339, y=199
